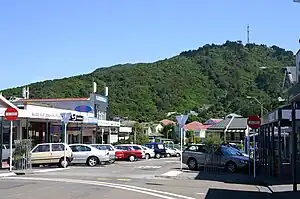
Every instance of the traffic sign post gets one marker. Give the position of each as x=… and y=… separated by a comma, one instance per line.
x=65, y=117
x=181, y=119
x=254, y=122
x=11, y=114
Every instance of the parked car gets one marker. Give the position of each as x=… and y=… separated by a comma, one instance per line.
x=51, y=154
x=158, y=147
x=149, y=153
x=196, y=155
x=109, y=148
x=86, y=154
x=128, y=153
x=5, y=153
x=170, y=152
x=135, y=147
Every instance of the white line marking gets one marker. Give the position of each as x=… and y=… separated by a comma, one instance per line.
x=151, y=192
x=200, y=193
x=7, y=174
x=172, y=173
x=48, y=170
x=148, y=167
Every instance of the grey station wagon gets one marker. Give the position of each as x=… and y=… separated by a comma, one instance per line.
x=224, y=157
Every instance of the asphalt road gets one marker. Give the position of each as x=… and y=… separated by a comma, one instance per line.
x=143, y=179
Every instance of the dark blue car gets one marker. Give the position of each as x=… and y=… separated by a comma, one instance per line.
x=158, y=147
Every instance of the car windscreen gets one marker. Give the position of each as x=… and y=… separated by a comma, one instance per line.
x=160, y=146
x=226, y=151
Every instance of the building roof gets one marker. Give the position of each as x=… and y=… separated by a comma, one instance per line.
x=237, y=123
x=53, y=99
x=212, y=121
x=193, y=126
x=167, y=122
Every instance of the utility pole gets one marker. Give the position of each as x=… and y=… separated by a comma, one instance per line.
x=248, y=34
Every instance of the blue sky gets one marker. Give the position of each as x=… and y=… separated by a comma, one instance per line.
x=48, y=39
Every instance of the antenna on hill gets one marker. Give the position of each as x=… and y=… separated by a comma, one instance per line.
x=248, y=34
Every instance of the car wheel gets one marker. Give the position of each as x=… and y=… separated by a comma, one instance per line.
x=62, y=162
x=131, y=158
x=168, y=155
x=92, y=161
x=192, y=164
x=147, y=156
x=112, y=161
x=157, y=155
x=231, y=167
x=177, y=154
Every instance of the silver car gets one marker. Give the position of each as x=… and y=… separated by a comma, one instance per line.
x=196, y=155
x=107, y=147
x=86, y=154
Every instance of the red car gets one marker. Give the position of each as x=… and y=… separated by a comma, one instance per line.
x=127, y=153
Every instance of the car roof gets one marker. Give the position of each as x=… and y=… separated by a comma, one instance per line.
x=79, y=145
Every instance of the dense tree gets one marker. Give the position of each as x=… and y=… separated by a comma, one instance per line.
x=214, y=80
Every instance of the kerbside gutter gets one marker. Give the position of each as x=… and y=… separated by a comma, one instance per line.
x=227, y=126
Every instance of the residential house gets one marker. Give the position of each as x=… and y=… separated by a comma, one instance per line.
x=153, y=130
x=234, y=127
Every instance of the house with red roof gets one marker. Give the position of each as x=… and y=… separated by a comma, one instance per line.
x=200, y=129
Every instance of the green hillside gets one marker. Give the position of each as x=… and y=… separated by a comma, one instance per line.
x=213, y=80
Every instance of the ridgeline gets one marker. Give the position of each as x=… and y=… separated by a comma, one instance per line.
x=212, y=81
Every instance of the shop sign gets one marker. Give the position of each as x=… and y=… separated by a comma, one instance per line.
x=108, y=123
x=46, y=115
x=76, y=118
x=101, y=98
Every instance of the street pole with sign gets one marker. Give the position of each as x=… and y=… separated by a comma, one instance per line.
x=11, y=114
x=181, y=119
x=65, y=119
x=254, y=122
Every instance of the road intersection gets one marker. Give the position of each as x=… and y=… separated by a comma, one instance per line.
x=144, y=179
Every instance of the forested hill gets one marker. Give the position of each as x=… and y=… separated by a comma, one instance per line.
x=213, y=81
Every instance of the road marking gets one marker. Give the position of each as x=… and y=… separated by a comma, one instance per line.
x=49, y=170
x=148, y=167
x=152, y=192
x=7, y=174
x=102, y=178
x=200, y=193
x=124, y=179
x=172, y=173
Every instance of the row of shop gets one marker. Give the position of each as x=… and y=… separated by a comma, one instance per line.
x=40, y=120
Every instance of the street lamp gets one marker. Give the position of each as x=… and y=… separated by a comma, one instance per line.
x=261, y=105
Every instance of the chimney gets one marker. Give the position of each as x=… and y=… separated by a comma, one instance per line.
x=106, y=91
x=94, y=87
x=25, y=92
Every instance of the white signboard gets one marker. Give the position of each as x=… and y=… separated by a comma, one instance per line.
x=108, y=123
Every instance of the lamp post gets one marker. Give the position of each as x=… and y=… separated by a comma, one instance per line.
x=261, y=105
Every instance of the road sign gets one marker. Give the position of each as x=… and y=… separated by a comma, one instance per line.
x=11, y=114
x=181, y=119
x=65, y=117
x=254, y=122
